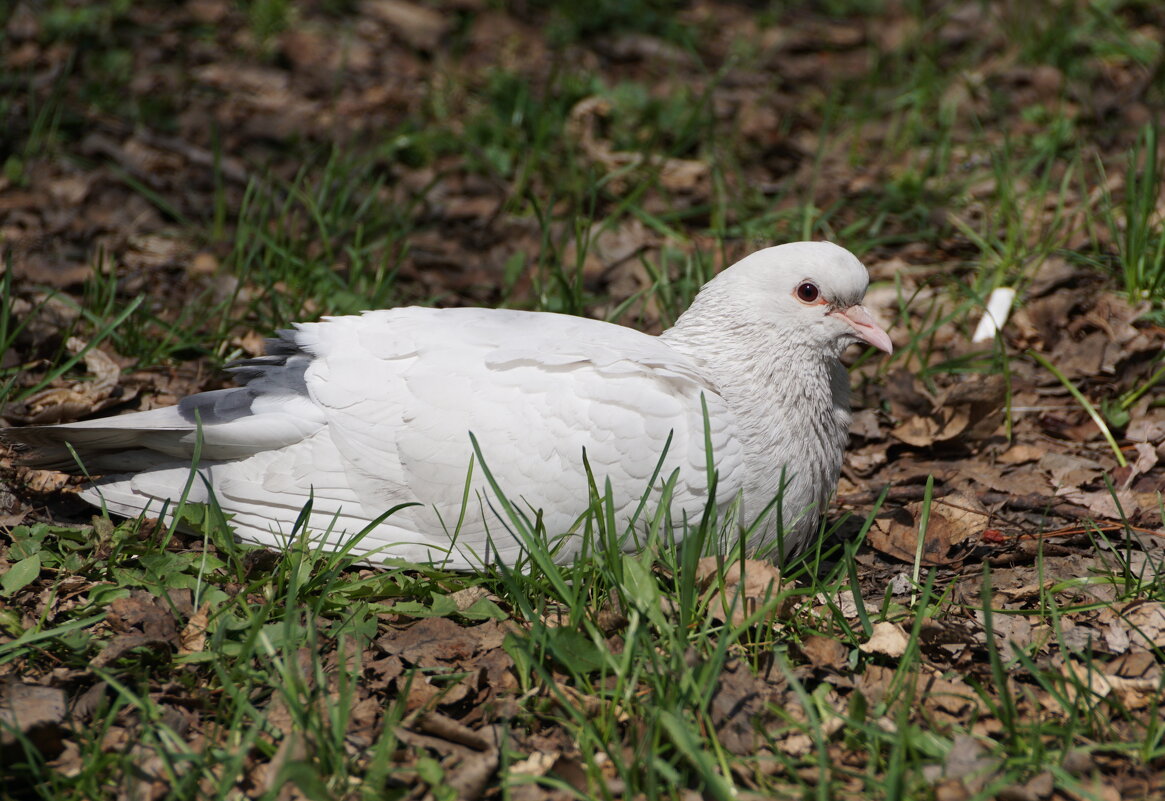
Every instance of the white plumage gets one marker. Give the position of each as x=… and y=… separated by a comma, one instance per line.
x=362, y=413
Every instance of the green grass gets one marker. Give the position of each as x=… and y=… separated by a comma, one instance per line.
x=286, y=639
x=632, y=657
x=1137, y=226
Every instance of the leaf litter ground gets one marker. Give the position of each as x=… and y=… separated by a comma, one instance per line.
x=1037, y=542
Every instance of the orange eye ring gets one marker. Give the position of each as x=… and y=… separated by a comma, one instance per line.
x=807, y=292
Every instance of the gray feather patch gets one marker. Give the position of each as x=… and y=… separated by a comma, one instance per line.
x=219, y=406
x=279, y=371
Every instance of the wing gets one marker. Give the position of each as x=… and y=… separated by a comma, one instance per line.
x=403, y=389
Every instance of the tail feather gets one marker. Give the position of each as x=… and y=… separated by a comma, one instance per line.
x=128, y=439
x=140, y=441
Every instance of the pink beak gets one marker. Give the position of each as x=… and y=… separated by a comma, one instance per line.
x=862, y=322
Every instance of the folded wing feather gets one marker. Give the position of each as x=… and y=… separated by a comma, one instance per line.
x=366, y=412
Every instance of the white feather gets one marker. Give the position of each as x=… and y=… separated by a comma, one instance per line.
x=364, y=413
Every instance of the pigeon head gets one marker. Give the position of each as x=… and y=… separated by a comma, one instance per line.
x=808, y=292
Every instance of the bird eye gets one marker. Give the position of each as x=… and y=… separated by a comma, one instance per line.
x=807, y=292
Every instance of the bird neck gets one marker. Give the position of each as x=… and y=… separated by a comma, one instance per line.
x=759, y=369
x=791, y=402
x=779, y=388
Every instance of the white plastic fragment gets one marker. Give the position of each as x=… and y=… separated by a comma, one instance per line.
x=995, y=315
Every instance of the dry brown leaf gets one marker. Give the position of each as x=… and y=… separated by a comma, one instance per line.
x=951, y=694
x=1146, y=460
x=1135, y=665
x=1021, y=592
x=825, y=652
x=1146, y=621
x=468, y=596
x=1136, y=693
x=866, y=461
x=77, y=398
x=966, y=769
x=264, y=82
x=590, y=704
x=953, y=520
x=797, y=742
x=1014, y=480
x=866, y=423
x=874, y=683
x=1131, y=693
x=747, y=586
x=537, y=764
x=143, y=612
x=738, y=700
x=1069, y=471
x=888, y=639
x=153, y=251
x=922, y=431
x=251, y=343
x=422, y=693
x=141, y=620
x=1124, y=504
x=192, y=639
x=845, y=602
x=420, y=26
x=1021, y=453
x=293, y=747
x=1148, y=429
x=38, y=713
x=445, y=727
x=430, y=641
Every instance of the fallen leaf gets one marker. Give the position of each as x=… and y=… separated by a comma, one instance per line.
x=192, y=638
x=37, y=713
x=953, y=520
x=430, y=641
x=1146, y=623
x=76, y=398
x=1021, y=453
x=145, y=613
x=922, y=431
x=967, y=764
x=536, y=764
x=1086, y=678
x=831, y=711
x=888, y=639
x=738, y=700
x=844, y=601
x=874, y=683
x=950, y=694
x=420, y=26
x=1070, y=472
x=1121, y=505
x=825, y=652
x=866, y=424
x=744, y=587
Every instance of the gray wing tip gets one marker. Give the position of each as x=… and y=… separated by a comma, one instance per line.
x=280, y=369
x=217, y=406
x=22, y=438
x=279, y=350
x=39, y=447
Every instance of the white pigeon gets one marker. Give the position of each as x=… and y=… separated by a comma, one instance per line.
x=362, y=413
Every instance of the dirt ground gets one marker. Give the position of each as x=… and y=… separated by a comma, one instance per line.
x=143, y=184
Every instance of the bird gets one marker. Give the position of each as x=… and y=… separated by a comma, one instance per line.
x=444, y=417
